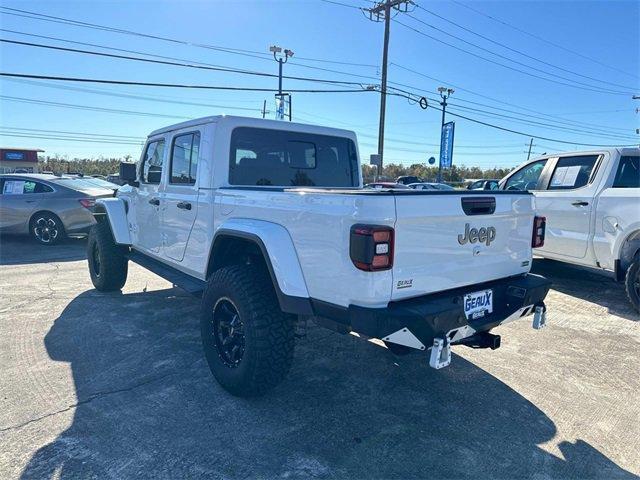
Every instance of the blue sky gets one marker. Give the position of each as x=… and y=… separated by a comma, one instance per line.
x=603, y=37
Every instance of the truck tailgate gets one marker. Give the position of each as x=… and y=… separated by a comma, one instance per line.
x=445, y=241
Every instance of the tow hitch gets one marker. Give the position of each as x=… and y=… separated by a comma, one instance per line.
x=480, y=340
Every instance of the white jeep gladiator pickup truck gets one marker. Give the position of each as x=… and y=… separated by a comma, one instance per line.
x=591, y=201
x=269, y=223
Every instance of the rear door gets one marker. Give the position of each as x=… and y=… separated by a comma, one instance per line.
x=180, y=196
x=567, y=203
x=448, y=240
x=19, y=198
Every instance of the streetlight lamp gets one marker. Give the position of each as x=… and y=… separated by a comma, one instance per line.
x=281, y=56
x=444, y=94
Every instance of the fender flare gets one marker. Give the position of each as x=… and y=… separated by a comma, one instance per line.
x=627, y=245
x=115, y=209
x=280, y=256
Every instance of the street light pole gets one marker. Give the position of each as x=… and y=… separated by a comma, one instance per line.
x=444, y=94
x=281, y=56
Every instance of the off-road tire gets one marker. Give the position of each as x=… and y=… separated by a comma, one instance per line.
x=108, y=264
x=50, y=220
x=268, y=333
x=632, y=282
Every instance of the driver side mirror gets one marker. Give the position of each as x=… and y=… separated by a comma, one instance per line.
x=128, y=174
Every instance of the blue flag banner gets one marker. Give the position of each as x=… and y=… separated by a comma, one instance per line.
x=446, y=145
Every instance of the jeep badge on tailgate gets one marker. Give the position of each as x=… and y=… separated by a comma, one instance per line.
x=484, y=235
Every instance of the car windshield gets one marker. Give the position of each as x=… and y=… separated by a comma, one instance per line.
x=101, y=183
x=443, y=186
x=80, y=184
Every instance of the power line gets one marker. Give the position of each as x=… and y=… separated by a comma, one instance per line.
x=50, y=137
x=85, y=107
x=493, y=99
x=574, y=84
x=239, y=51
x=178, y=64
x=157, y=98
x=172, y=85
x=19, y=129
x=519, y=52
x=542, y=39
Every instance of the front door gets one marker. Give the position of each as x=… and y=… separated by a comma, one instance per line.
x=19, y=198
x=180, y=198
x=148, y=199
x=567, y=204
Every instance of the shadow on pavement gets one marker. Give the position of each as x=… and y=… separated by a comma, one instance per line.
x=23, y=250
x=587, y=285
x=148, y=407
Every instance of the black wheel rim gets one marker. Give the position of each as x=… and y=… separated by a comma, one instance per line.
x=636, y=283
x=45, y=229
x=228, y=333
x=95, y=256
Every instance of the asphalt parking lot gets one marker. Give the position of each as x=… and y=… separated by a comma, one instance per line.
x=115, y=386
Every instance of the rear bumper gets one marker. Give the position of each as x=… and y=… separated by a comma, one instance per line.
x=442, y=315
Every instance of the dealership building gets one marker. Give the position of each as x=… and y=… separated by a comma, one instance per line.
x=19, y=159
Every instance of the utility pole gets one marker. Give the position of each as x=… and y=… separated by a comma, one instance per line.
x=281, y=56
x=264, y=108
x=381, y=11
x=444, y=94
x=530, y=145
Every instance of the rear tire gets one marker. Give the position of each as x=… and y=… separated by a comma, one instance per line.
x=248, y=341
x=108, y=264
x=632, y=282
x=46, y=228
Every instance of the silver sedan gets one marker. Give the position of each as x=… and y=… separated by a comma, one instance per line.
x=47, y=207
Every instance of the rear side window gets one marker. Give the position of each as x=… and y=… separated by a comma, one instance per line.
x=19, y=187
x=184, y=158
x=152, y=162
x=285, y=159
x=628, y=174
x=572, y=172
x=527, y=177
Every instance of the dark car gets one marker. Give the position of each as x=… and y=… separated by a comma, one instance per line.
x=407, y=179
x=485, y=184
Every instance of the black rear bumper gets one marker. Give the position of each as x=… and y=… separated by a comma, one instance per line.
x=436, y=315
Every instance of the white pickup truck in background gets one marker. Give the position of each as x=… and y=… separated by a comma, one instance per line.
x=591, y=201
x=269, y=223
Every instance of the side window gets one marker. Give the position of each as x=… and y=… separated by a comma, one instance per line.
x=572, y=172
x=19, y=187
x=152, y=162
x=628, y=174
x=184, y=158
x=527, y=177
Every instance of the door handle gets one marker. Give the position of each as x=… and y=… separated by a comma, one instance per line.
x=580, y=204
x=184, y=205
x=154, y=201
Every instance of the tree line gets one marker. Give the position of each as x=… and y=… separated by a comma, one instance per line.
x=391, y=171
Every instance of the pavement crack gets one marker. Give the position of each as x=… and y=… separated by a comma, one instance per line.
x=95, y=396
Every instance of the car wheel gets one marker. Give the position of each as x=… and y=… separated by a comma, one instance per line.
x=248, y=341
x=632, y=282
x=108, y=263
x=46, y=228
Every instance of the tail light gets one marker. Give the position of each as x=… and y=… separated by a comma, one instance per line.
x=371, y=247
x=87, y=202
x=539, y=227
